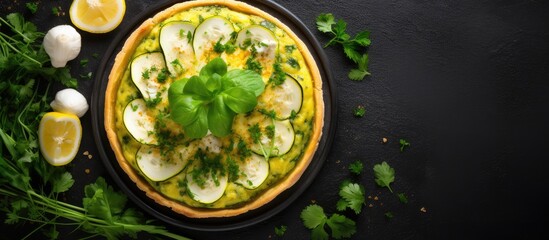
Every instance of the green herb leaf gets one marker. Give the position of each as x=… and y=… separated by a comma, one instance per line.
x=245, y=79
x=220, y=117
x=353, y=195
x=356, y=167
x=359, y=111
x=384, y=175
x=32, y=6
x=279, y=231
x=403, y=144
x=62, y=183
x=313, y=216
x=239, y=100
x=324, y=22
x=402, y=198
x=341, y=226
x=354, y=49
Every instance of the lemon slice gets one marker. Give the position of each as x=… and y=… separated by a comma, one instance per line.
x=97, y=16
x=59, y=135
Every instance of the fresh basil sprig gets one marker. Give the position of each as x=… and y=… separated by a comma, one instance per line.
x=211, y=99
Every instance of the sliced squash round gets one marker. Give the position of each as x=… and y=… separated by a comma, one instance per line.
x=149, y=74
x=139, y=122
x=261, y=38
x=176, y=42
x=280, y=144
x=208, y=190
x=208, y=33
x=285, y=99
x=254, y=170
x=160, y=167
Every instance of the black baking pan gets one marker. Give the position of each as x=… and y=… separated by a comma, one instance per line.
x=214, y=224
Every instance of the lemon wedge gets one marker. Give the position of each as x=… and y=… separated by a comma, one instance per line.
x=59, y=135
x=97, y=16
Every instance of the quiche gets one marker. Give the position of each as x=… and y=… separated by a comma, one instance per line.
x=214, y=108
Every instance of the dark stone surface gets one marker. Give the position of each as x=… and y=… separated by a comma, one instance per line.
x=465, y=82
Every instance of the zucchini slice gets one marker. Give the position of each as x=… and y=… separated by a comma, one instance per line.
x=209, y=191
x=176, y=42
x=208, y=33
x=284, y=137
x=158, y=167
x=261, y=38
x=254, y=169
x=139, y=122
x=283, y=99
x=149, y=73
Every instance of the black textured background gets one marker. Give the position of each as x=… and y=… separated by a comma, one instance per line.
x=465, y=82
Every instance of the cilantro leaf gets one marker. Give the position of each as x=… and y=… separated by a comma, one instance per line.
x=279, y=231
x=384, y=175
x=359, y=73
x=389, y=215
x=353, y=195
x=324, y=22
x=402, y=198
x=62, y=183
x=356, y=167
x=359, y=111
x=403, y=144
x=342, y=227
x=313, y=216
x=32, y=6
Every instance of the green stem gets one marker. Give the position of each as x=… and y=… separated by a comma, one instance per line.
x=3, y=38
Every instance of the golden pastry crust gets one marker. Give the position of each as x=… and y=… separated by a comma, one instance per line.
x=121, y=62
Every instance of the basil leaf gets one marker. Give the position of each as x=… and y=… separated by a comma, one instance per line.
x=184, y=109
x=245, y=79
x=198, y=128
x=220, y=118
x=197, y=86
x=239, y=100
x=214, y=83
x=217, y=65
x=176, y=90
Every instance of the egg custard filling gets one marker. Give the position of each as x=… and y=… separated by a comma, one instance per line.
x=213, y=108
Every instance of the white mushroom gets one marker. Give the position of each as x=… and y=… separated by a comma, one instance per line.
x=62, y=43
x=70, y=101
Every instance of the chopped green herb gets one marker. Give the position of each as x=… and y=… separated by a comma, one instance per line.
x=255, y=132
x=163, y=75
x=219, y=47
x=402, y=198
x=86, y=76
x=403, y=144
x=290, y=48
x=56, y=11
x=293, y=63
x=279, y=231
x=356, y=167
x=384, y=175
x=84, y=62
x=253, y=64
x=146, y=74
x=189, y=37
x=359, y=111
x=279, y=76
x=95, y=55
x=389, y=215
x=32, y=6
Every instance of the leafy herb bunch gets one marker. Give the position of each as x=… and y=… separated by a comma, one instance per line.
x=210, y=100
x=29, y=186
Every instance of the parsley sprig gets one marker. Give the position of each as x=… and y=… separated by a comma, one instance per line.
x=29, y=186
x=355, y=48
x=384, y=175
